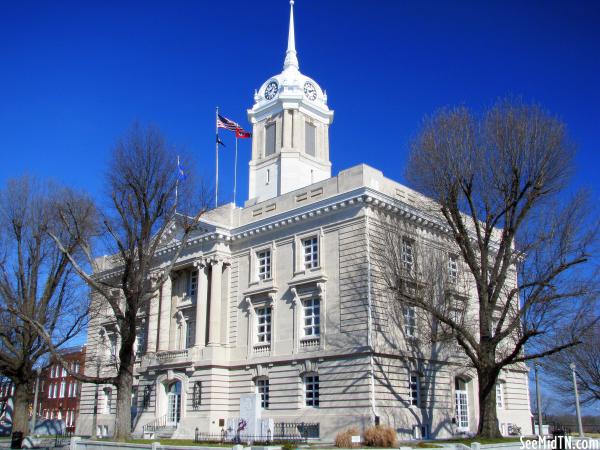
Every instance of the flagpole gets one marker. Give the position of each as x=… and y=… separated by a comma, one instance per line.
x=235, y=170
x=177, y=184
x=217, y=159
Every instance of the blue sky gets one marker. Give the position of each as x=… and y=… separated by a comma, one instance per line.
x=76, y=74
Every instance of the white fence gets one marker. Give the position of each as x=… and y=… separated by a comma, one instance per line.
x=84, y=444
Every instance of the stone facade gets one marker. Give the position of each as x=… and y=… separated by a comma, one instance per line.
x=283, y=297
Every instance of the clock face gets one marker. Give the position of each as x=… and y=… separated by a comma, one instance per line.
x=310, y=91
x=271, y=90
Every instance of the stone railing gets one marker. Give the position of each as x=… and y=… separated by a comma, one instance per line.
x=310, y=343
x=262, y=349
x=171, y=355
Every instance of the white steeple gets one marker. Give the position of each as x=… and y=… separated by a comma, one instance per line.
x=290, y=123
x=291, y=58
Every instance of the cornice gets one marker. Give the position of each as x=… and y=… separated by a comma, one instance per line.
x=363, y=198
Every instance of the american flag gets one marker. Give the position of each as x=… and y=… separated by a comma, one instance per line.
x=224, y=122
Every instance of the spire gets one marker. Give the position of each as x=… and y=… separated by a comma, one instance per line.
x=291, y=59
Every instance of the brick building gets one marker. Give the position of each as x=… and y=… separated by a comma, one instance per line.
x=7, y=389
x=60, y=392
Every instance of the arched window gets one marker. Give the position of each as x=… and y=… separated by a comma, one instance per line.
x=173, y=403
x=461, y=404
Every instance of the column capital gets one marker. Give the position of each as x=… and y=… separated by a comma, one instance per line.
x=156, y=275
x=215, y=260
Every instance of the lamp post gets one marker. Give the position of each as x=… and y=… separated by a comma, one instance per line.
x=578, y=410
x=38, y=372
x=539, y=399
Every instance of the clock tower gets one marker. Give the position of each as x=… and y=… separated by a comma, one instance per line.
x=290, y=123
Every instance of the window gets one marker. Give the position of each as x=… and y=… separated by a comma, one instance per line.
x=311, y=390
x=107, y=404
x=453, y=269
x=461, y=404
x=264, y=264
x=146, y=396
x=410, y=320
x=414, y=389
x=50, y=388
x=76, y=367
x=55, y=391
x=63, y=385
x=312, y=317
x=270, y=139
x=197, y=395
x=262, y=388
x=311, y=252
x=140, y=345
x=190, y=333
x=310, y=132
x=191, y=283
x=407, y=255
x=263, y=325
x=112, y=346
x=500, y=394
x=64, y=372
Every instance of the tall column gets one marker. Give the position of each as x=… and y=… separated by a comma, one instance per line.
x=201, y=302
x=152, y=324
x=165, y=316
x=214, y=323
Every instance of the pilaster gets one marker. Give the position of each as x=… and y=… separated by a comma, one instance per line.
x=165, y=316
x=201, y=303
x=214, y=323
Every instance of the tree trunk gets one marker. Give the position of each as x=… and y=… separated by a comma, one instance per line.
x=20, y=414
x=488, y=417
x=124, y=388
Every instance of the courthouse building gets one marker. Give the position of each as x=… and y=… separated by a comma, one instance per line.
x=281, y=297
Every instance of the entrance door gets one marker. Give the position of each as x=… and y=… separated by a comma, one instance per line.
x=462, y=404
x=174, y=404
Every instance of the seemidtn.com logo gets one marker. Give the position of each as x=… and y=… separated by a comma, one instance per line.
x=559, y=443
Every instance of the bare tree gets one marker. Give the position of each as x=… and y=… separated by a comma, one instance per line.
x=497, y=187
x=36, y=281
x=146, y=202
x=587, y=360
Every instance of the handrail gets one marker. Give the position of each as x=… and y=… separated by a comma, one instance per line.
x=156, y=424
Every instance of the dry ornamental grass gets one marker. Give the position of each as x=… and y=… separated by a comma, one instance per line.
x=344, y=438
x=381, y=436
